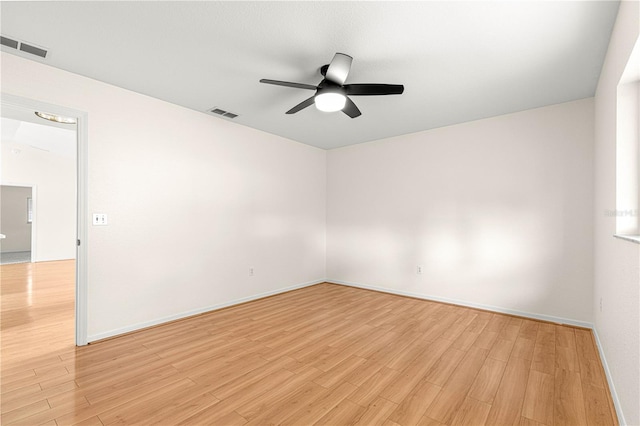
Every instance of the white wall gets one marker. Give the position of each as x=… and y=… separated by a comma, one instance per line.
x=13, y=219
x=617, y=262
x=192, y=200
x=496, y=211
x=53, y=175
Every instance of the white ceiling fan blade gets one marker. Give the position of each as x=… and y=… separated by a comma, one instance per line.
x=339, y=68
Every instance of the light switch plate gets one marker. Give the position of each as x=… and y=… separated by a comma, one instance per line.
x=100, y=219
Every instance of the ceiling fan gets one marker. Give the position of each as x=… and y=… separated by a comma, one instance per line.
x=332, y=94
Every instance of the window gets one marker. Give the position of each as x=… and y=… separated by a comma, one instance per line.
x=29, y=210
x=628, y=150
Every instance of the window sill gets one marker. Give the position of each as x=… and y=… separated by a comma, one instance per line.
x=632, y=238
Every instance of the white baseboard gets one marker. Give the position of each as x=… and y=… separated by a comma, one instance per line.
x=182, y=315
x=607, y=373
x=559, y=320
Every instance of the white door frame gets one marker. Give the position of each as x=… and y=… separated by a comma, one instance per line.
x=82, y=132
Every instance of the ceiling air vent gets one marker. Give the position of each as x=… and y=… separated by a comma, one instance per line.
x=218, y=111
x=6, y=41
x=22, y=46
x=33, y=50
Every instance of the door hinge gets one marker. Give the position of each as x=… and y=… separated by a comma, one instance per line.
x=78, y=242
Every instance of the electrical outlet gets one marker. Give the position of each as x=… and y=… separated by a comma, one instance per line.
x=419, y=270
x=251, y=272
x=100, y=219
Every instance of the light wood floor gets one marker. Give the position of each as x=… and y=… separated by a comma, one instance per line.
x=323, y=355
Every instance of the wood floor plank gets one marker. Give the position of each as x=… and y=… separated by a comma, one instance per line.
x=18, y=376
x=415, y=404
x=486, y=384
x=591, y=372
x=256, y=405
x=164, y=401
x=211, y=416
x=377, y=413
x=528, y=422
x=567, y=359
x=529, y=329
x=538, y=400
x=346, y=412
x=501, y=349
x=565, y=337
x=230, y=379
x=507, y=404
x=569, y=404
x=316, y=409
x=496, y=323
x=449, y=400
x=371, y=388
x=546, y=334
x=471, y=413
x=358, y=357
x=597, y=408
x=544, y=357
x=116, y=385
x=465, y=340
x=339, y=372
x=81, y=412
x=511, y=330
x=278, y=412
x=25, y=411
x=444, y=367
x=52, y=414
x=585, y=345
x=10, y=403
x=180, y=408
x=93, y=421
x=58, y=374
x=71, y=398
x=408, y=378
x=523, y=348
x=363, y=372
x=428, y=421
x=479, y=323
x=486, y=339
x=18, y=394
x=255, y=391
x=403, y=358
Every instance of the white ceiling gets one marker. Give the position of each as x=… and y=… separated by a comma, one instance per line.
x=23, y=134
x=458, y=61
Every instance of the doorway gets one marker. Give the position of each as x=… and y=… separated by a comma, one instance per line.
x=16, y=219
x=58, y=213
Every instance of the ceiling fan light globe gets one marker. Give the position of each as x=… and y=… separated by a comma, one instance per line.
x=330, y=102
x=56, y=118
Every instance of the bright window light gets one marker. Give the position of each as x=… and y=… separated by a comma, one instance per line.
x=627, y=212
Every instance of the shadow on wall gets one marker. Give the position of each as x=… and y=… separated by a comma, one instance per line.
x=503, y=256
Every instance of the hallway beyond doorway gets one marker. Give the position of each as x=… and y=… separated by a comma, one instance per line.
x=15, y=257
